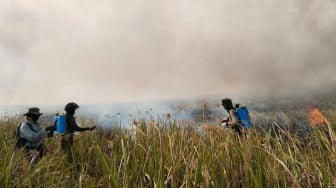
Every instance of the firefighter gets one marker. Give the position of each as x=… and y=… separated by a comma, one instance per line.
x=232, y=121
x=67, y=138
x=31, y=135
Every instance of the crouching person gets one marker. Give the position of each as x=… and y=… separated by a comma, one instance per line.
x=232, y=121
x=31, y=135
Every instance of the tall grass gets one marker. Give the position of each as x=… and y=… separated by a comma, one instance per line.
x=166, y=153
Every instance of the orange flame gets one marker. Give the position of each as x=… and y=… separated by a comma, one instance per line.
x=316, y=117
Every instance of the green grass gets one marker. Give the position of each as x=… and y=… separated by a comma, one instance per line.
x=164, y=154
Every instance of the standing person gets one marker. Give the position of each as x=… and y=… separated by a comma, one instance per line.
x=31, y=134
x=67, y=139
x=232, y=121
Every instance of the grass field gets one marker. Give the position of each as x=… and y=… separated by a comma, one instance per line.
x=284, y=150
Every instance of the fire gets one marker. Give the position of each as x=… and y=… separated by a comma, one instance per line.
x=316, y=117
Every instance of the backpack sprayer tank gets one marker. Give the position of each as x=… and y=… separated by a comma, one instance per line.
x=244, y=117
x=61, y=123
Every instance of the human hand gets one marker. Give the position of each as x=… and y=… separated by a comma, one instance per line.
x=225, y=124
x=225, y=120
x=50, y=134
x=50, y=128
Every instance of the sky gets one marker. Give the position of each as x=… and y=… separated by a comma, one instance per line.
x=106, y=51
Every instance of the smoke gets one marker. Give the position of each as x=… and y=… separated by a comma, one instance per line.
x=53, y=52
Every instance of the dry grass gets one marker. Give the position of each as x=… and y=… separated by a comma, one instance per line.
x=177, y=154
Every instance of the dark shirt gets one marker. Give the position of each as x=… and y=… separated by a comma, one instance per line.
x=72, y=125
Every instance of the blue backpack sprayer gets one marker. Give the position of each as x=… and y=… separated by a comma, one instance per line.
x=244, y=117
x=61, y=123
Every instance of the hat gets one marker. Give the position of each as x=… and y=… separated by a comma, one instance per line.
x=33, y=110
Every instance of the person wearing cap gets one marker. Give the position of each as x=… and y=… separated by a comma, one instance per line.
x=232, y=121
x=72, y=127
x=32, y=132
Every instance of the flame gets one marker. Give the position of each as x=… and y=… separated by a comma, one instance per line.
x=316, y=117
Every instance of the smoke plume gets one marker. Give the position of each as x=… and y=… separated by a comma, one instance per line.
x=104, y=51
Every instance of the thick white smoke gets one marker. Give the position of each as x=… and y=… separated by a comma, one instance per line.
x=52, y=52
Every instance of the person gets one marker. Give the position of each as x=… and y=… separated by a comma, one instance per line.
x=31, y=134
x=72, y=126
x=232, y=121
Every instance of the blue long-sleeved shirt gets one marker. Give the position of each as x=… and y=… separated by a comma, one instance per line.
x=35, y=136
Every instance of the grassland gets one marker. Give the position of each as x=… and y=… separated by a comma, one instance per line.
x=283, y=151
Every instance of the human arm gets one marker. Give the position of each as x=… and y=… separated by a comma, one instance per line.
x=73, y=126
x=233, y=121
x=224, y=122
x=50, y=130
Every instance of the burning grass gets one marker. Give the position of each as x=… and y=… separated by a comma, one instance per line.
x=316, y=117
x=163, y=153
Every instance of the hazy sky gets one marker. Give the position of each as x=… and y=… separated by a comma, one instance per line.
x=103, y=51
